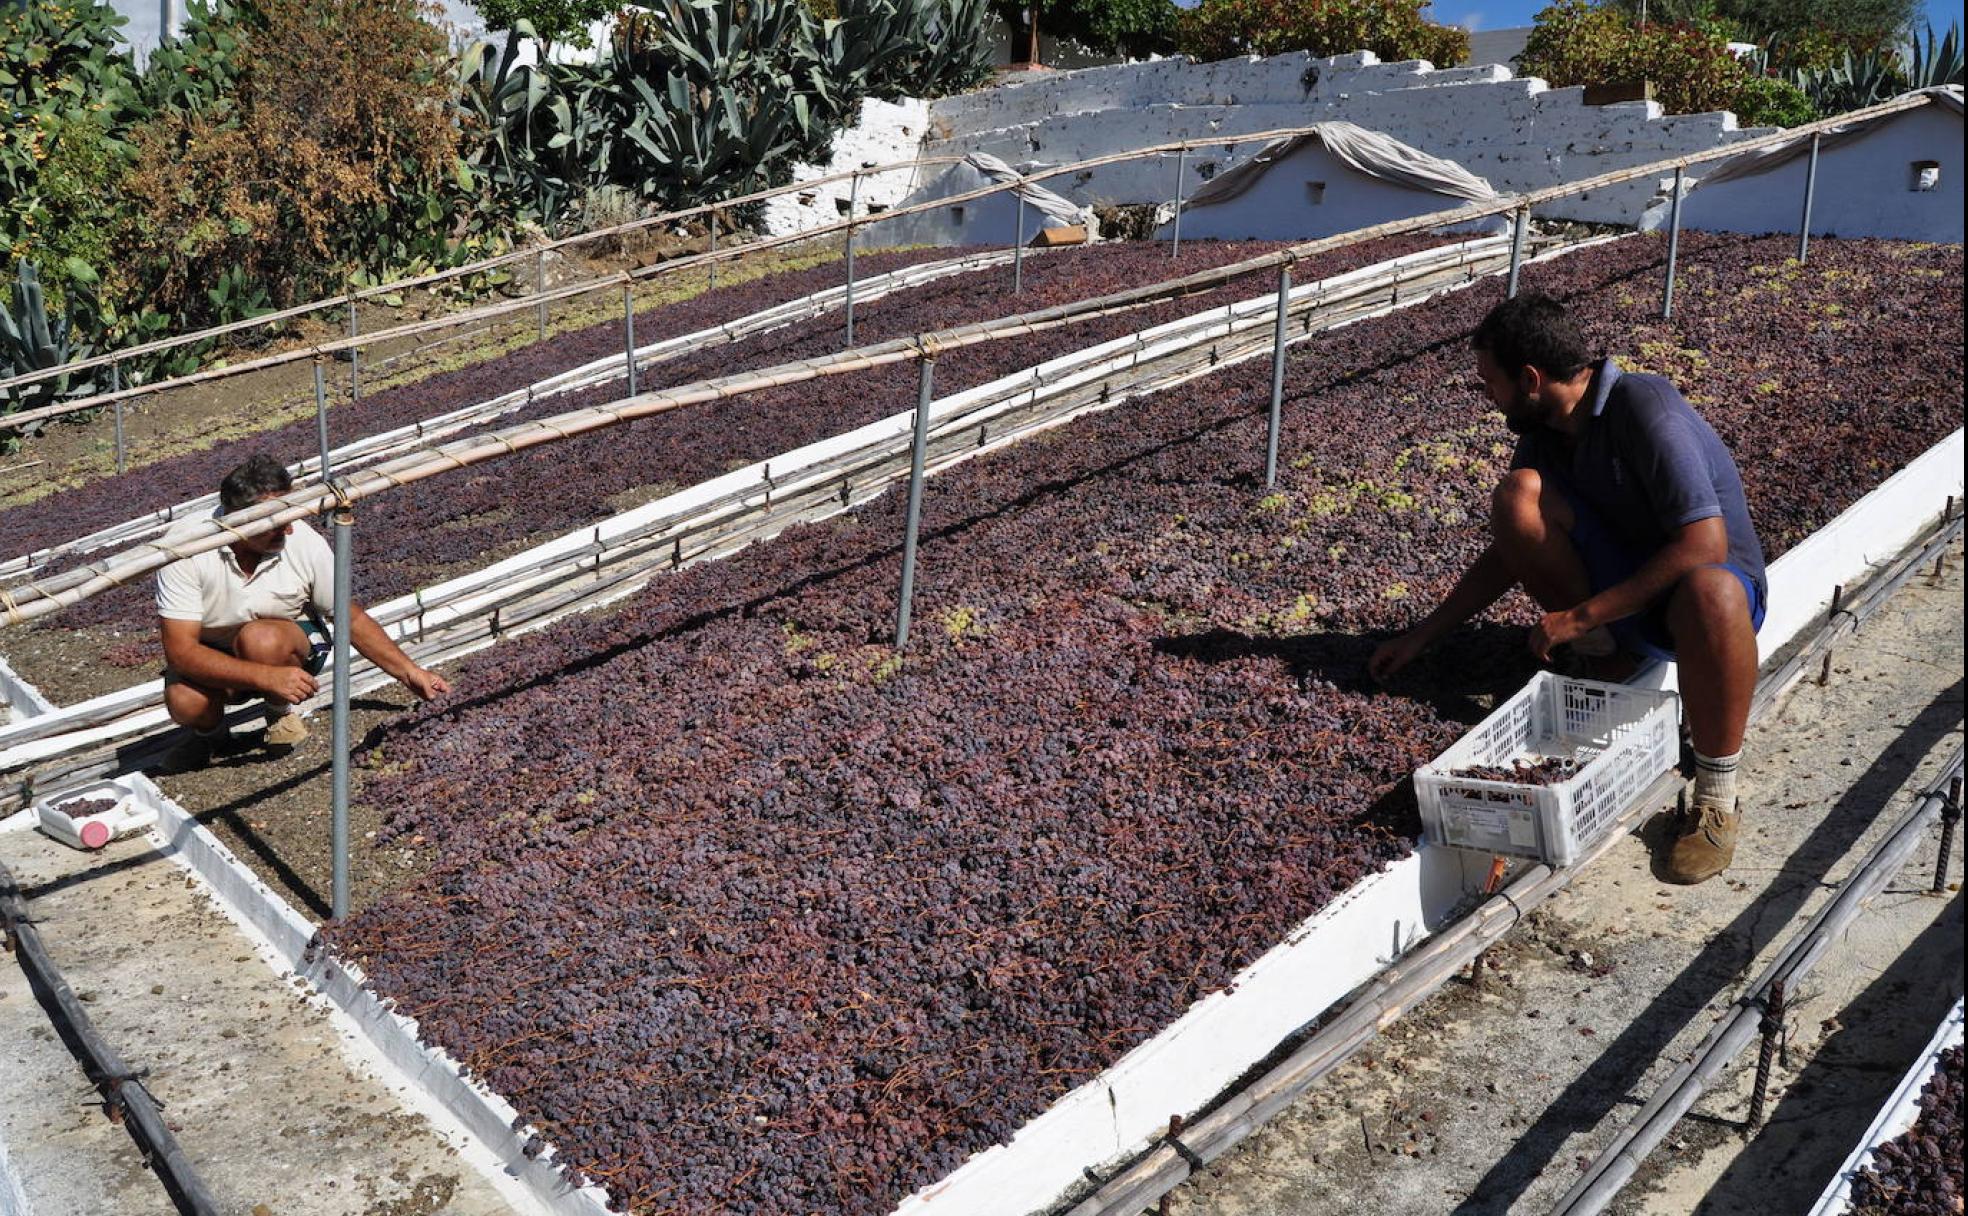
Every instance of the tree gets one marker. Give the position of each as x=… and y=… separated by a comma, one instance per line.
x=1393, y=30
x=1135, y=28
x=555, y=22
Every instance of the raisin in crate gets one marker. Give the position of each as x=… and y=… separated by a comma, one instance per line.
x=1620, y=739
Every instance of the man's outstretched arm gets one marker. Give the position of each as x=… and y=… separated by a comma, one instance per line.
x=1480, y=586
x=372, y=643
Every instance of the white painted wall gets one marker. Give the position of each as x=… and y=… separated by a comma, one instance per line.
x=886, y=133
x=1864, y=187
x=1281, y=206
x=1518, y=133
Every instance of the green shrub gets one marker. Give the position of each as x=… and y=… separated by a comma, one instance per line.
x=331, y=153
x=1690, y=63
x=1765, y=101
x=1394, y=30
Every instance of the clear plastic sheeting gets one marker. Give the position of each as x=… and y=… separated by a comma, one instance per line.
x=1369, y=152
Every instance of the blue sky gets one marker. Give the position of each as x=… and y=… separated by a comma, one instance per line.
x=1502, y=14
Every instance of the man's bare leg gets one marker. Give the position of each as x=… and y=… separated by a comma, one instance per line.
x=194, y=705
x=1532, y=525
x=274, y=643
x=1715, y=647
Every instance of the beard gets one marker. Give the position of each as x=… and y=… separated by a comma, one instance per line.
x=1524, y=414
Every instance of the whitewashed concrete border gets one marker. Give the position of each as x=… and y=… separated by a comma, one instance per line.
x=1899, y=1113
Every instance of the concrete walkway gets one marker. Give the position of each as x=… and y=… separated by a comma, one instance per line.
x=254, y=1078
x=1491, y=1098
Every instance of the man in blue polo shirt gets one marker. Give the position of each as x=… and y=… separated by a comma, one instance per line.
x=1623, y=517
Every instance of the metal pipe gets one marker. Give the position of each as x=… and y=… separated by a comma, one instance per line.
x=1018, y=247
x=1181, y=165
x=1673, y=244
x=1277, y=379
x=1810, y=192
x=853, y=199
x=1950, y=816
x=714, y=247
x=121, y=1086
x=355, y=357
x=321, y=419
x=1519, y=234
x=1614, y=1167
x=918, y=452
x=628, y=335
x=339, y=737
x=540, y=288
x=116, y=386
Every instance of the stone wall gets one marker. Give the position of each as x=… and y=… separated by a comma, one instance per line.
x=1517, y=133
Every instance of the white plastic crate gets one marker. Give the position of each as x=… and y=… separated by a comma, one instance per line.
x=1621, y=738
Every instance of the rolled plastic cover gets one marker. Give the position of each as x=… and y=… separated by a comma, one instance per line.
x=1058, y=210
x=1369, y=152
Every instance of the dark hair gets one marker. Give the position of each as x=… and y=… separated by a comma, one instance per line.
x=260, y=476
x=1532, y=330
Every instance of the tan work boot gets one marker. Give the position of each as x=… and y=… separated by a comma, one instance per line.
x=287, y=730
x=1706, y=846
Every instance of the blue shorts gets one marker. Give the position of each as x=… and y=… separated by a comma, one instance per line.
x=1610, y=561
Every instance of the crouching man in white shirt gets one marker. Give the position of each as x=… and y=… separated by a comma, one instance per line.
x=242, y=621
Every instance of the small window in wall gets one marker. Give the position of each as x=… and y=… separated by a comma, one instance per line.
x=1316, y=191
x=956, y=215
x=1926, y=175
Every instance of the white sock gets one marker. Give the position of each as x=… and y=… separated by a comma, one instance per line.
x=1595, y=643
x=1715, y=779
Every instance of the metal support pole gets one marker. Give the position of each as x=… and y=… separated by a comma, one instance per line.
x=1018, y=247
x=1518, y=236
x=1950, y=816
x=1772, y=1028
x=321, y=419
x=1277, y=379
x=628, y=334
x=1673, y=244
x=1181, y=166
x=714, y=248
x=853, y=200
x=540, y=288
x=339, y=739
x=1831, y=617
x=355, y=358
x=918, y=451
x=116, y=386
x=1810, y=191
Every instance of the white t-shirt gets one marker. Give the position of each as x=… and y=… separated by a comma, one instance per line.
x=211, y=589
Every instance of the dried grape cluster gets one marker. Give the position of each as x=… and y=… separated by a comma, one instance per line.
x=1919, y=1173
x=748, y=913
x=1549, y=770
x=81, y=808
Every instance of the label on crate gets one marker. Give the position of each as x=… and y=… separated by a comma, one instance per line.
x=1487, y=827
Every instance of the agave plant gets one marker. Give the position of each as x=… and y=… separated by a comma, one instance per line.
x=523, y=124
x=32, y=341
x=1932, y=62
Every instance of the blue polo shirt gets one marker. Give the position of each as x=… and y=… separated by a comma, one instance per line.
x=1647, y=465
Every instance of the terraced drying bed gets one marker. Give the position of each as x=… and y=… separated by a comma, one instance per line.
x=433, y=530
x=749, y=914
